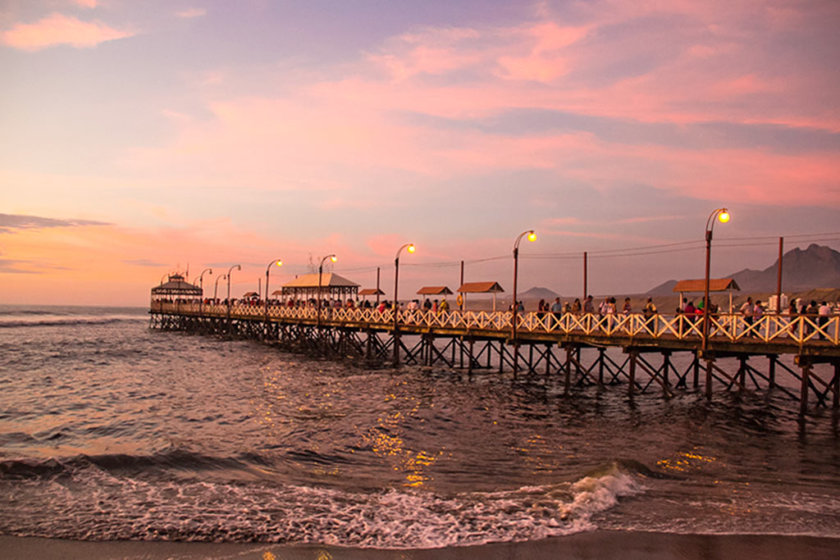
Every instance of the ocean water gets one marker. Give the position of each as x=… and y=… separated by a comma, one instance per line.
x=112, y=431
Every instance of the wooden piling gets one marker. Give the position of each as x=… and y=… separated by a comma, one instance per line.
x=803, y=393
x=709, y=365
x=568, y=384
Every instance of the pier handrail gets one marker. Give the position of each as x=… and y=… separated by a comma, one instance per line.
x=771, y=328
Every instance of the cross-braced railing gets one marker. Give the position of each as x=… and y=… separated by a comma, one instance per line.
x=785, y=329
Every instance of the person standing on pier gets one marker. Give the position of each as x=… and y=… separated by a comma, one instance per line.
x=444, y=306
x=649, y=309
x=690, y=311
x=758, y=311
x=747, y=310
x=824, y=313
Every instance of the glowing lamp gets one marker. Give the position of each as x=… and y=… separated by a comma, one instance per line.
x=532, y=236
x=724, y=216
x=411, y=248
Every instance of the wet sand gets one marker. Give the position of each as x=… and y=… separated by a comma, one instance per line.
x=581, y=546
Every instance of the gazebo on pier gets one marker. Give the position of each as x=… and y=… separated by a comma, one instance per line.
x=176, y=288
x=333, y=286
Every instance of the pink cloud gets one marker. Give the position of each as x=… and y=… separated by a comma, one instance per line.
x=328, y=135
x=547, y=58
x=57, y=29
x=191, y=13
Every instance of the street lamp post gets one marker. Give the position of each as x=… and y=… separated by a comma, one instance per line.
x=333, y=258
x=722, y=215
x=275, y=262
x=216, y=288
x=201, y=286
x=237, y=267
x=532, y=236
x=396, y=307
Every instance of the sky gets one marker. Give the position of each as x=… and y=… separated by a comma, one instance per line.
x=140, y=139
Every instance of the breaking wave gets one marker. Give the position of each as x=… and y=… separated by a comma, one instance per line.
x=87, y=498
x=48, y=319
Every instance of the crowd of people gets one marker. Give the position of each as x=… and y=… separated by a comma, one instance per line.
x=751, y=311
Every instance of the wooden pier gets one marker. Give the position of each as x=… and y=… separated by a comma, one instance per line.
x=582, y=350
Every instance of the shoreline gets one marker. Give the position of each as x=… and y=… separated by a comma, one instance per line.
x=626, y=545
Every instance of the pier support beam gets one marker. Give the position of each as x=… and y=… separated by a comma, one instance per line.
x=568, y=368
x=710, y=362
x=803, y=393
x=632, y=387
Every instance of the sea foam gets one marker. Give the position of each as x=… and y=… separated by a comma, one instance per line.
x=397, y=518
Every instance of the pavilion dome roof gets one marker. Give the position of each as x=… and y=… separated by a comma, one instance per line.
x=176, y=286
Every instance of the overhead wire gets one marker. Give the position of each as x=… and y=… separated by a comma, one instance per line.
x=645, y=250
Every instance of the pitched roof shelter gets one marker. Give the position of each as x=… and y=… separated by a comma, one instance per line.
x=479, y=288
x=176, y=287
x=434, y=291
x=715, y=285
x=371, y=292
x=332, y=285
x=699, y=286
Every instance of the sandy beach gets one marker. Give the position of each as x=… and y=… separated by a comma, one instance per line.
x=581, y=546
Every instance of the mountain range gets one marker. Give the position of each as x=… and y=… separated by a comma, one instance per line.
x=817, y=266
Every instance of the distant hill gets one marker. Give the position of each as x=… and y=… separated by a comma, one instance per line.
x=664, y=289
x=537, y=293
x=815, y=267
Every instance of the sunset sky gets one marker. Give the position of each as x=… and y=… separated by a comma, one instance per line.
x=141, y=138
